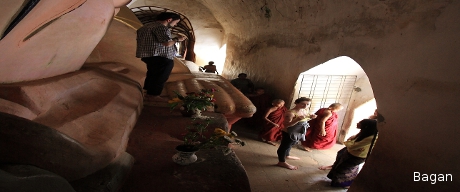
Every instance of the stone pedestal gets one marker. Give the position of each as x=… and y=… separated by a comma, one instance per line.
x=152, y=143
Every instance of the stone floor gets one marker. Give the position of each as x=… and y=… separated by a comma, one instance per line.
x=259, y=159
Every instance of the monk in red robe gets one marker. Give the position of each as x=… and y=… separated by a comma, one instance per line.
x=274, y=118
x=323, y=130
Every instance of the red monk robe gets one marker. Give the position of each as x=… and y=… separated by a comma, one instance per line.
x=269, y=131
x=315, y=141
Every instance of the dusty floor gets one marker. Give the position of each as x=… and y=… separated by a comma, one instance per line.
x=259, y=159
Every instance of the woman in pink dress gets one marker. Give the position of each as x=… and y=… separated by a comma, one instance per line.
x=323, y=130
x=274, y=118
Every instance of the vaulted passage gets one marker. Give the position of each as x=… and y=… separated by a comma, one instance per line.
x=71, y=89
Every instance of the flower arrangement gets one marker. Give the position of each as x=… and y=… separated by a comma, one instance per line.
x=193, y=101
x=195, y=137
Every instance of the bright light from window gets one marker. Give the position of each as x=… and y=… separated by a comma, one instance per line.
x=220, y=58
x=361, y=112
x=211, y=53
x=361, y=103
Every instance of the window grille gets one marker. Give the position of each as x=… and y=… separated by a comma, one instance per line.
x=327, y=89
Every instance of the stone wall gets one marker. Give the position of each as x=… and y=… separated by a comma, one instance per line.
x=408, y=50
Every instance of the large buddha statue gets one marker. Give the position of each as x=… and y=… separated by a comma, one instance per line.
x=70, y=89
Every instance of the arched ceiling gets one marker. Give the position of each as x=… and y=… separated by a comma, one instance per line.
x=246, y=19
x=147, y=14
x=208, y=33
x=199, y=15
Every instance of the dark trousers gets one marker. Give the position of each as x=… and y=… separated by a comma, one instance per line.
x=285, y=147
x=158, y=71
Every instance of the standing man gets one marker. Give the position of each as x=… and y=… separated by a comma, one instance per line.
x=157, y=50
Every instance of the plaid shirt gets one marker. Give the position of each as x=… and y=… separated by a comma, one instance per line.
x=149, y=41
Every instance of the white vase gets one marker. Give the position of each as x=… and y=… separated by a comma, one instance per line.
x=185, y=155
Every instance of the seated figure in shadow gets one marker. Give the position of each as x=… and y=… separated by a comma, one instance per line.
x=210, y=68
x=243, y=84
x=262, y=101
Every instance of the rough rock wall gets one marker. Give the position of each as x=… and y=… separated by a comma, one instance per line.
x=416, y=86
x=408, y=49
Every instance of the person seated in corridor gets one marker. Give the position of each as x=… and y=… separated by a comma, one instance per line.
x=210, y=68
x=357, y=147
x=295, y=127
x=243, y=84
